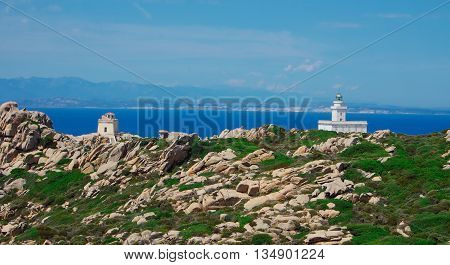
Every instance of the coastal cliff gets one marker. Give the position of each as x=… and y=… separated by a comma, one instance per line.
x=260, y=186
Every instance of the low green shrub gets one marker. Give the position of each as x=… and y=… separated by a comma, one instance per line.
x=207, y=174
x=364, y=150
x=313, y=137
x=244, y=219
x=301, y=233
x=354, y=175
x=57, y=187
x=64, y=161
x=170, y=182
x=262, y=239
x=367, y=234
x=240, y=146
x=195, y=185
x=196, y=230
x=47, y=141
x=370, y=165
x=279, y=161
x=432, y=226
x=399, y=240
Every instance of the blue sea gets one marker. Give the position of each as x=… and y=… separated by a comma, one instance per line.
x=147, y=123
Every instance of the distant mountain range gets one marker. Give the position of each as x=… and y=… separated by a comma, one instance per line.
x=75, y=92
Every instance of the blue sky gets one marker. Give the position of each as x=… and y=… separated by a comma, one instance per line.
x=250, y=44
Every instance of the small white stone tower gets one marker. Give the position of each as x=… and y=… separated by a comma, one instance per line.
x=108, y=126
x=338, y=110
x=339, y=121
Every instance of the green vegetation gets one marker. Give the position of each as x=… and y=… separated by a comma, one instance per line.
x=277, y=130
x=432, y=226
x=370, y=165
x=196, y=229
x=195, y=185
x=344, y=207
x=54, y=187
x=47, y=141
x=162, y=143
x=313, y=137
x=241, y=147
x=64, y=161
x=367, y=234
x=170, y=182
x=301, y=233
x=414, y=189
x=363, y=189
x=262, y=239
x=37, y=233
x=279, y=161
x=207, y=174
x=243, y=220
x=353, y=175
x=364, y=150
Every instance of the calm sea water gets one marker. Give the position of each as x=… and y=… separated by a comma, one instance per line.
x=207, y=122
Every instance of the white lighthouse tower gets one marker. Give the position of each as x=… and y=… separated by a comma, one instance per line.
x=339, y=121
x=108, y=126
x=338, y=110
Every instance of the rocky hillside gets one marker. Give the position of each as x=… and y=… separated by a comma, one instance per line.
x=260, y=186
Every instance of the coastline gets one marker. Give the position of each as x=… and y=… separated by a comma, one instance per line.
x=253, y=110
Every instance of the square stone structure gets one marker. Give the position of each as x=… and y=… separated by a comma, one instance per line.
x=339, y=121
x=108, y=126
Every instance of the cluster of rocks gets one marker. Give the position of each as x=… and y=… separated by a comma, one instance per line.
x=28, y=141
x=337, y=144
x=302, y=151
x=278, y=199
x=403, y=229
x=223, y=162
x=147, y=237
x=379, y=135
x=21, y=131
x=279, y=215
x=334, y=235
x=251, y=135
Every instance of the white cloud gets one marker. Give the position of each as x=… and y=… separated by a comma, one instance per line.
x=341, y=25
x=307, y=66
x=159, y=42
x=142, y=10
x=189, y=54
x=236, y=82
x=289, y=68
x=394, y=15
x=276, y=87
x=310, y=67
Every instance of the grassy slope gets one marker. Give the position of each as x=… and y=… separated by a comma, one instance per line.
x=414, y=187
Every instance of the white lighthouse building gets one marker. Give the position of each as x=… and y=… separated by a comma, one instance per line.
x=108, y=126
x=339, y=122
